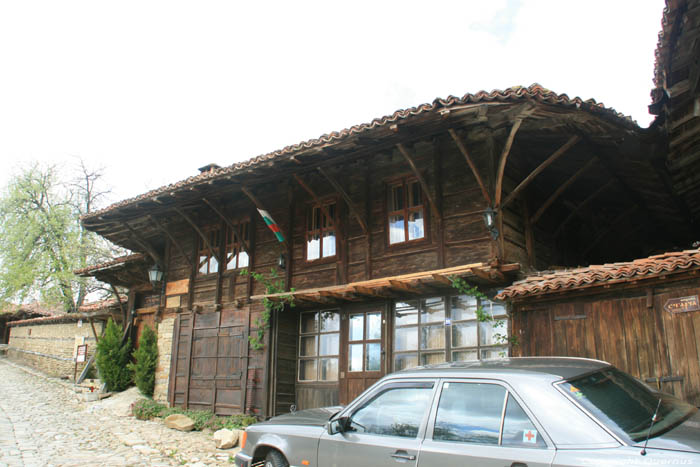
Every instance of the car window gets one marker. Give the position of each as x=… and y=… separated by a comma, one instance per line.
x=469, y=413
x=518, y=429
x=398, y=411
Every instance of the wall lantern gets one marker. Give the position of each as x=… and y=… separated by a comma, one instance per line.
x=155, y=275
x=490, y=221
x=282, y=261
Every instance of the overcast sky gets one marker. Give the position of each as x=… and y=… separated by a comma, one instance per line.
x=152, y=90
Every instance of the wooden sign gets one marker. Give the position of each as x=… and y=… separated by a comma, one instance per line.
x=81, y=353
x=682, y=304
x=177, y=287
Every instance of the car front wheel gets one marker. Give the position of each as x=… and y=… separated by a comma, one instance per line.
x=275, y=459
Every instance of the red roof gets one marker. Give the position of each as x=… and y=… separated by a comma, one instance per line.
x=108, y=264
x=515, y=94
x=598, y=275
x=89, y=309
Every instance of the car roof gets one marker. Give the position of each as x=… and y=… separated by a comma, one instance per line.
x=553, y=367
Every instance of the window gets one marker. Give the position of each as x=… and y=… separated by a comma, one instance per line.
x=398, y=411
x=320, y=232
x=425, y=333
x=236, y=256
x=319, y=344
x=208, y=264
x=364, y=342
x=405, y=211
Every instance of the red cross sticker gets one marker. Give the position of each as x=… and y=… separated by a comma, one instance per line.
x=530, y=436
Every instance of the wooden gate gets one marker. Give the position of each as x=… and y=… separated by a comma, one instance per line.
x=210, y=362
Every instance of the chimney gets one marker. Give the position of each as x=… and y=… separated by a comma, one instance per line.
x=209, y=168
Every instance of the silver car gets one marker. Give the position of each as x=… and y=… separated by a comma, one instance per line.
x=512, y=412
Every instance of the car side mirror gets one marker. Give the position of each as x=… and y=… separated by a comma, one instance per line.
x=338, y=425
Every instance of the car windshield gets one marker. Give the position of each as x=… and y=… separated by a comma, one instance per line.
x=626, y=405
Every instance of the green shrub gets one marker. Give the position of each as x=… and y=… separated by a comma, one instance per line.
x=146, y=409
x=146, y=357
x=113, y=359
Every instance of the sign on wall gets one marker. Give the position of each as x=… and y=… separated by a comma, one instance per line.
x=682, y=304
x=81, y=354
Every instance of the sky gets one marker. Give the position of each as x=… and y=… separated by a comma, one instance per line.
x=152, y=90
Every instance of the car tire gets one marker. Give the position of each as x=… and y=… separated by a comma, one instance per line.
x=275, y=459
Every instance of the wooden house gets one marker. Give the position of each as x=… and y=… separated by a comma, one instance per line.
x=375, y=220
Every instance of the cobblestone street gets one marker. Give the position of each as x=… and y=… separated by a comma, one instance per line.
x=43, y=422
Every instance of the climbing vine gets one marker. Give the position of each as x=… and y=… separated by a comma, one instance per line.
x=273, y=285
x=482, y=315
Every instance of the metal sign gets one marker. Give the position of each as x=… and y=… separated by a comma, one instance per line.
x=682, y=304
x=81, y=353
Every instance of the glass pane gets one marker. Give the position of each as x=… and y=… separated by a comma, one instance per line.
x=465, y=356
x=396, y=232
x=406, y=338
x=396, y=196
x=414, y=195
x=307, y=348
x=406, y=313
x=493, y=332
x=231, y=257
x=464, y=334
x=432, y=337
x=203, y=264
x=317, y=218
x=329, y=344
x=396, y=412
x=329, y=369
x=242, y=259
x=313, y=247
x=403, y=361
x=308, y=323
x=469, y=413
x=328, y=244
x=374, y=326
x=355, y=357
x=330, y=321
x=415, y=225
x=518, y=430
x=374, y=357
x=494, y=352
x=307, y=370
x=213, y=265
x=463, y=307
x=432, y=358
x=356, y=328
x=432, y=310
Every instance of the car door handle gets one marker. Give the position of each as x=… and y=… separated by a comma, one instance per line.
x=518, y=464
x=403, y=455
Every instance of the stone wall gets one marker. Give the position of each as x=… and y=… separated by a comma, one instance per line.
x=50, y=347
x=165, y=345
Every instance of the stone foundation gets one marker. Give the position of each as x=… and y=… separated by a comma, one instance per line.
x=165, y=345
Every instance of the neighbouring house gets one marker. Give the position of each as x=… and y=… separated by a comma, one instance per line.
x=19, y=312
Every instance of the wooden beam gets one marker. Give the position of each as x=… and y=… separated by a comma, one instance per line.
x=315, y=198
x=259, y=205
x=146, y=246
x=351, y=206
x=199, y=231
x=561, y=190
x=441, y=279
x=420, y=178
x=234, y=228
x=490, y=275
x=547, y=162
x=503, y=159
x=119, y=301
x=583, y=205
x=601, y=236
x=472, y=166
x=172, y=239
x=403, y=287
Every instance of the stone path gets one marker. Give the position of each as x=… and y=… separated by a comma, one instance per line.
x=43, y=422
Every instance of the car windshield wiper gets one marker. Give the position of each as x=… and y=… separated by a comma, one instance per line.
x=651, y=425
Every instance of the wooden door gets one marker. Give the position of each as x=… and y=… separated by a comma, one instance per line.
x=362, y=355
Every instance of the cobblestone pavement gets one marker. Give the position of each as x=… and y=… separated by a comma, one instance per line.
x=43, y=422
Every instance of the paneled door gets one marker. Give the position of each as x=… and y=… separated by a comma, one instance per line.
x=362, y=358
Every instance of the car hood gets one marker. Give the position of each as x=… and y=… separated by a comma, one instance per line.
x=684, y=437
x=309, y=417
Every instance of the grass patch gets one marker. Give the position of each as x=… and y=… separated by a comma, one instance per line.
x=147, y=409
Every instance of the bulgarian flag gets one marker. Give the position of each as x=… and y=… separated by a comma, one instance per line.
x=271, y=224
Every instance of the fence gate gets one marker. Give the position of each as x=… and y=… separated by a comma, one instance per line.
x=210, y=362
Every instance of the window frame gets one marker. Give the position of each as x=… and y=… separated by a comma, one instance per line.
x=317, y=357
x=333, y=226
x=244, y=225
x=203, y=250
x=405, y=181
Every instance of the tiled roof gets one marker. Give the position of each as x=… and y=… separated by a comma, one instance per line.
x=108, y=264
x=534, y=92
x=88, y=310
x=33, y=308
x=597, y=275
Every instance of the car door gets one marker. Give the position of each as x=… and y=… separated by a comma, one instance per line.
x=481, y=423
x=383, y=429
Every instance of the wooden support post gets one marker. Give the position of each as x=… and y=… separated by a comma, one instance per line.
x=560, y=190
x=314, y=197
x=504, y=159
x=146, y=246
x=351, y=206
x=583, y=205
x=529, y=235
x=421, y=179
x=472, y=166
x=119, y=300
x=601, y=236
x=172, y=239
x=234, y=228
x=547, y=162
x=204, y=238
